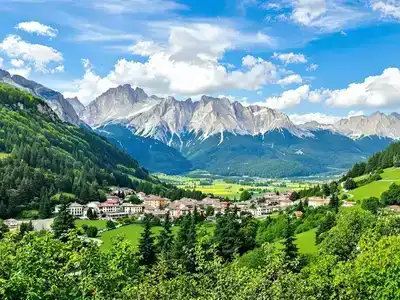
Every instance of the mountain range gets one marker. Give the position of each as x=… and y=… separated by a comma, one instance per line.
x=216, y=134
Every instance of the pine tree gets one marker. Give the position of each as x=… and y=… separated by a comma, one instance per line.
x=146, y=245
x=63, y=222
x=44, y=207
x=334, y=203
x=165, y=238
x=289, y=247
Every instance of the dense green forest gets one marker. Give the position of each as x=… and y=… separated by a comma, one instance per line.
x=358, y=258
x=387, y=158
x=43, y=156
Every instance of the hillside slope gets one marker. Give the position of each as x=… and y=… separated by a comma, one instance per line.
x=44, y=156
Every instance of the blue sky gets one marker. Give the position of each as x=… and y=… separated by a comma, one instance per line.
x=312, y=59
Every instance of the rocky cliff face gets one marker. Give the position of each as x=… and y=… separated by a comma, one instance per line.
x=377, y=124
x=55, y=100
x=168, y=119
x=76, y=104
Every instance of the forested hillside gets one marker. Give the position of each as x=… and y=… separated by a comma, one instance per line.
x=390, y=157
x=42, y=156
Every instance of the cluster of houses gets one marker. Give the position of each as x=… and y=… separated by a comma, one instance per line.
x=116, y=206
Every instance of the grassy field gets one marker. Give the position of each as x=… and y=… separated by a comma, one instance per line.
x=131, y=232
x=305, y=242
x=221, y=188
x=376, y=188
x=100, y=224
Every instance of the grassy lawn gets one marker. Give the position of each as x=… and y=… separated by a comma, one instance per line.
x=305, y=242
x=100, y=224
x=376, y=188
x=132, y=233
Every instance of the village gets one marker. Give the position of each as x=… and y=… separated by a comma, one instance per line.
x=118, y=206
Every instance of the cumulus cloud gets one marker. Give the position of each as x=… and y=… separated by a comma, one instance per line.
x=288, y=98
x=145, y=48
x=37, y=56
x=24, y=72
x=290, y=58
x=37, y=28
x=18, y=63
x=291, y=79
x=188, y=65
x=387, y=8
x=375, y=91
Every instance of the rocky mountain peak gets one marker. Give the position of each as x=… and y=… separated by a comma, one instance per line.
x=55, y=100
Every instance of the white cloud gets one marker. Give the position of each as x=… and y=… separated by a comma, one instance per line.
x=145, y=48
x=188, y=65
x=318, y=117
x=1, y=62
x=290, y=58
x=36, y=55
x=234, y=98
x=312, y=67
x=291, y=79
x=343, y=33
x=249, y=60
x=289, y=98
x=18, y=63
x=321, y=117
x=324, y=15
x=387, y=8
x=38, y=28
x=24, y=72
x=137, y=6
x=306, y=12
x=375, y=91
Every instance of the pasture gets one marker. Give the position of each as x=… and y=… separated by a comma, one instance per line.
x=231, y=188
x=376, y=188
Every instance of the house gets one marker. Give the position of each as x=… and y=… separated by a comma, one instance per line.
x=141, y=195
x=132, y=209
x=283, y=203
x=155, y=201
x=317, y=201
x=11, y=223
x=76, y=209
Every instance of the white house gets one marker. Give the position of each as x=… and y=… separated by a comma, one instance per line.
x=132, y=209
x=76, y=209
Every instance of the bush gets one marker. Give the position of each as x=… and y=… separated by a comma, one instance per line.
x=91, y=231
x=110, y=224
x=372, y=204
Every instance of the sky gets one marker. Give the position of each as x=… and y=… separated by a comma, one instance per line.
x=312, y=59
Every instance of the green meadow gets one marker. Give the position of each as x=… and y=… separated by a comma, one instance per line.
x=376, y=188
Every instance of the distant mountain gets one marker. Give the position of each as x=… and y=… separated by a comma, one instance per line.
x=224, y=137
x=377, y=124
x=167, y=119
x=55, y=100
x=76, y=104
